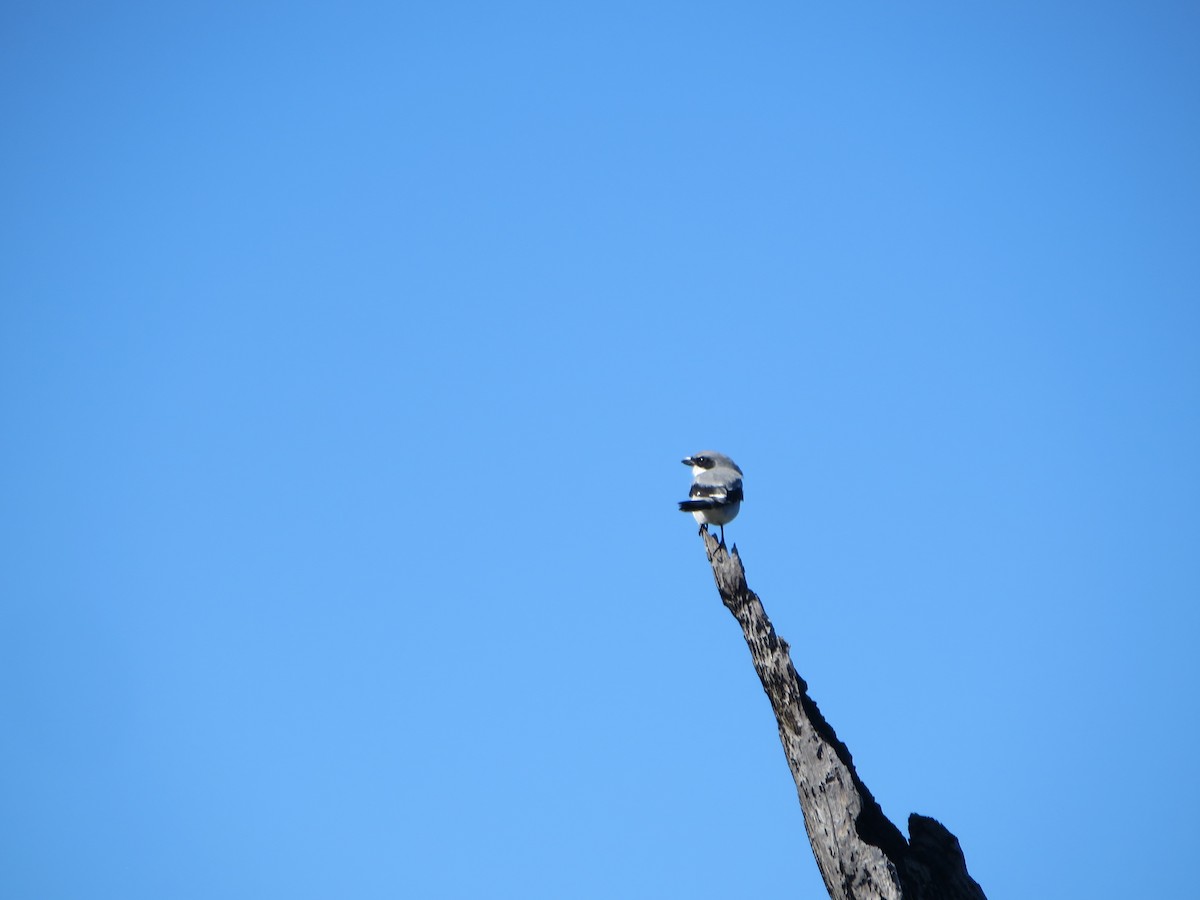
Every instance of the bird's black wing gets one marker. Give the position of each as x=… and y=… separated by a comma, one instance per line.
x=710, y=496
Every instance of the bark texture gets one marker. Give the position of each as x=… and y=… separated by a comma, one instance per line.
x=860, y=853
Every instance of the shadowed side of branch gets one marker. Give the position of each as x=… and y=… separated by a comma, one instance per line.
x=859, y=851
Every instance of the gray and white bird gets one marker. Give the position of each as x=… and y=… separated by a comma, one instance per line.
x=716, y=494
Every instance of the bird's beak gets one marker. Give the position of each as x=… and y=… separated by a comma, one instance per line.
x=688, y=462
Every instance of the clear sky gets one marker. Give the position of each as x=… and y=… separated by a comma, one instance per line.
x=347, y=356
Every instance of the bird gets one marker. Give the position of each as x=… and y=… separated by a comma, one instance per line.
x=716, y=494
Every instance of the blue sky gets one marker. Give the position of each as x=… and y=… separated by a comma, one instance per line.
x=347, y=354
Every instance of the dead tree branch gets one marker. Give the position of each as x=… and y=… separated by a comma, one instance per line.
x=861, y=854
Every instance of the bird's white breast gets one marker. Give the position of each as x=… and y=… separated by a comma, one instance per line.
x=719, y=515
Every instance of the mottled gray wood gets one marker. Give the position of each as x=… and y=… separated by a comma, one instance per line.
x=860, y=853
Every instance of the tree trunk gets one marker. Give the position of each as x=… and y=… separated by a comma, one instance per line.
x=860, y=853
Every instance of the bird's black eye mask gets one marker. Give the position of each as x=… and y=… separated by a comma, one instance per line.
x=704, y=462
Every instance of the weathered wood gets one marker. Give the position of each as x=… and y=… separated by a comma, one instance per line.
x=860, y=852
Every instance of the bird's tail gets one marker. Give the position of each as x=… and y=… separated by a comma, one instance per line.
x=696, y=505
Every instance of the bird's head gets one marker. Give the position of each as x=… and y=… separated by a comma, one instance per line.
x=708, y=459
